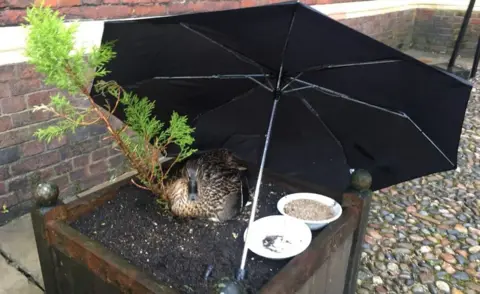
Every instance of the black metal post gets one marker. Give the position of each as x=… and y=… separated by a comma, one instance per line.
x=473, y=72
x=461, y=34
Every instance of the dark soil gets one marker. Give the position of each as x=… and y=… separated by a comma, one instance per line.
x=178, y=252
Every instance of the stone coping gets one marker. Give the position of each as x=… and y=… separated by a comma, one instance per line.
x=90, y=32
x=369, y=8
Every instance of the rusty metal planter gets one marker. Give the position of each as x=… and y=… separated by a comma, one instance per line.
x=72, y=263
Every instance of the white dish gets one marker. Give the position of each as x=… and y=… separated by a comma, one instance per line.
x=296, y=233
x=313, y=225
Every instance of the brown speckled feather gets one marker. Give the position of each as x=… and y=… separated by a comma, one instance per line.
x=221, y=183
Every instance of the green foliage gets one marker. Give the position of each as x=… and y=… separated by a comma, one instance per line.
x=51, y=49
x=50, y=46
x=61, y=106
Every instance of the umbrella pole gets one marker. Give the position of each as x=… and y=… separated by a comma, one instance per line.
x=241, y=271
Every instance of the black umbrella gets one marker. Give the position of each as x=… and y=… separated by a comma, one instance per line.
x=327, y=98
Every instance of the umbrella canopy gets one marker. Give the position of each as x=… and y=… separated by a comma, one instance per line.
x=340, y=99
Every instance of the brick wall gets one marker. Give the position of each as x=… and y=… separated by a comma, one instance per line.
x=394, y=29
x=13, y=11
x=437, y=31
x=77, y=162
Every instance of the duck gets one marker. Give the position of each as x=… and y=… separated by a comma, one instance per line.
x=210, y=185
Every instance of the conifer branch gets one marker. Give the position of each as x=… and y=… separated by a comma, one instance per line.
x=50, y=48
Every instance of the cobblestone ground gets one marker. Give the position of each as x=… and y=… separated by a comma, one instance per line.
x=423, y=235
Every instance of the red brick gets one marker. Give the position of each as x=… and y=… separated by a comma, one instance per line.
x=248, y=3
x=21, y=183
x=79, y=148
x=62, y=181
x=100, y=154
x=19, y=3
x=50, y=3
x=81, y=161
x=97, y=129
x=46, y=174
x=224, y=5
x=32, y=148
x=4, y=90
x=13, y=104
x=57, y=143
x=97, y=12
x=26, y=71
x=38, y=98
x=80, y=134
x=178, y=8
x=116, y=11
x=22, y=87
x=67, y=3
x=92, y=2
x=116, y=161
x=10, y=17
x=63, y=168
x=5, y=123
x=97, y=168
x=475, y=21
x=35, y=162
x=4, y=173
x=150, y=10
x=78, y=175
x=7, y=72
x=16, y=136
x=3, y=189
x=137, y=2
x=29, y=117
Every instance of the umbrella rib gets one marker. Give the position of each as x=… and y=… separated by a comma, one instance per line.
x=332, y=66
x=346, y=97
x=251, y=77
x=317, y=115
x=284, y=50
x=297, y=89
x=221, y=77
x=401, y=114
x=292, y=80
x=237, y=54
x=244, y=94
x=261, y=84
x=430, y=140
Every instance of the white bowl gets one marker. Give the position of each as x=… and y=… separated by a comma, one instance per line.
x=296, y=232
x=313, y=225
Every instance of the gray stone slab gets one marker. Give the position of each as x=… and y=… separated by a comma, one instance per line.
x=14, y=282
x=18, y=243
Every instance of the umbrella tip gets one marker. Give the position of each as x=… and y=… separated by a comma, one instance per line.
x=361, y=180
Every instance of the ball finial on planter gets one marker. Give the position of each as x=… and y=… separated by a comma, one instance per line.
x=46, y=194
x=361, y=180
